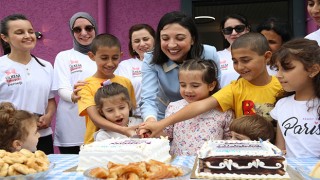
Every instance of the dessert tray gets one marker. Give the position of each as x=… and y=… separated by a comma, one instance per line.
x=39, y=175
x=185, y=176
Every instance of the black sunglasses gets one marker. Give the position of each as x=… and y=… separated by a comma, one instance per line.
x=78, y=30
x=229, y=30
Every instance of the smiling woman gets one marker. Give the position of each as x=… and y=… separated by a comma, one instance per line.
x=141, y=41
x=177, y=40
x=24, y=78
x=71, y=66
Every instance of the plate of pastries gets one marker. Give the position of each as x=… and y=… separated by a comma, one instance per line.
x=138, y=171
x=24, y=164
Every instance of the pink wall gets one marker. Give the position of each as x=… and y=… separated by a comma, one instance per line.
x=51, y=18
x=122, y=14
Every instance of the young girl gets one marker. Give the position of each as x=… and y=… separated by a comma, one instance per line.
x=198, y=80
x=113, y=102
x=25, y=80
x=253, y=93
x=298, y=111
x=18, y=129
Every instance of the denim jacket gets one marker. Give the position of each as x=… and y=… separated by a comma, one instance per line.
x=160, y=83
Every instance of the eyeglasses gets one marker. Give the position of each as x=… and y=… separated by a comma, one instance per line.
x=78, y=30
x=229, y=30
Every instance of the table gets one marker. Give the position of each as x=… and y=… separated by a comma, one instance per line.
x=64, y=162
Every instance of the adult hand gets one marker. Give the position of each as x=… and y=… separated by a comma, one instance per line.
x=76, y=89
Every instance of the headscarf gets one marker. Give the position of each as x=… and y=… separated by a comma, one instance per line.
x=76, y=45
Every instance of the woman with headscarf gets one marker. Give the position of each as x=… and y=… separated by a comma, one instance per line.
x=70, y=66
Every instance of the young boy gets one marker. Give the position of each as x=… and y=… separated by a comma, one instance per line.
x=253, y=93
x=106, y=52
x=252, y=127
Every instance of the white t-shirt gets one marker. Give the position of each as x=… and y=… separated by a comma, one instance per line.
x=314, y=36
x=28, y=86
x=102, y=134
x=131, y=69
x=299, y=127
x=271, y=72
x=228, y=73
x=70, y=66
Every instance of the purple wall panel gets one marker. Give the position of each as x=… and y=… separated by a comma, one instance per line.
x=122, y=14
x=51, y=19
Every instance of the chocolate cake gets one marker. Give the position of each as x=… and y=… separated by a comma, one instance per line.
x=233, y=159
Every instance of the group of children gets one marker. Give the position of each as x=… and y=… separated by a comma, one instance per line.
x=284, y=109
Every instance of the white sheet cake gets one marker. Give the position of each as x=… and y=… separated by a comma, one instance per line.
x=123, y=151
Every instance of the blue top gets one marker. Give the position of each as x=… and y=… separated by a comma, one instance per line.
x=160, y=83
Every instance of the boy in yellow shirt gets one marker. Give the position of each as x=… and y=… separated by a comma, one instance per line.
x=106, y=52
x=253, y=93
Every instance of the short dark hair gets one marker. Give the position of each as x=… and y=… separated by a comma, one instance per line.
x=185, y=21
x=103, y=40
x=135, y=28
x=279, y=27
x=253, y=126
x=253, y=41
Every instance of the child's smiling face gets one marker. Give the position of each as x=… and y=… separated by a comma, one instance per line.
x=192, y=86
x=107, y=60
x=250, y=65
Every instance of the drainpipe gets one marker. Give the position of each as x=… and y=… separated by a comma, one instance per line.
x=102, y=16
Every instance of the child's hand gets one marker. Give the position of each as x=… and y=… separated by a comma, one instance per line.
x=150, y=126
x=132, y=130
x=76, y=89
x=145, y=133
x=44, y=122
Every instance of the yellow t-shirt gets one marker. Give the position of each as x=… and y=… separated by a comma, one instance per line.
x=247, y=99
x=87, y=99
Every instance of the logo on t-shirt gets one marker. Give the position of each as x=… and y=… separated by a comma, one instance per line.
x=305, y=125
x=12, y=77
x=223, y=65
x=136, y=72
x=75, y=66
x=250, y=108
